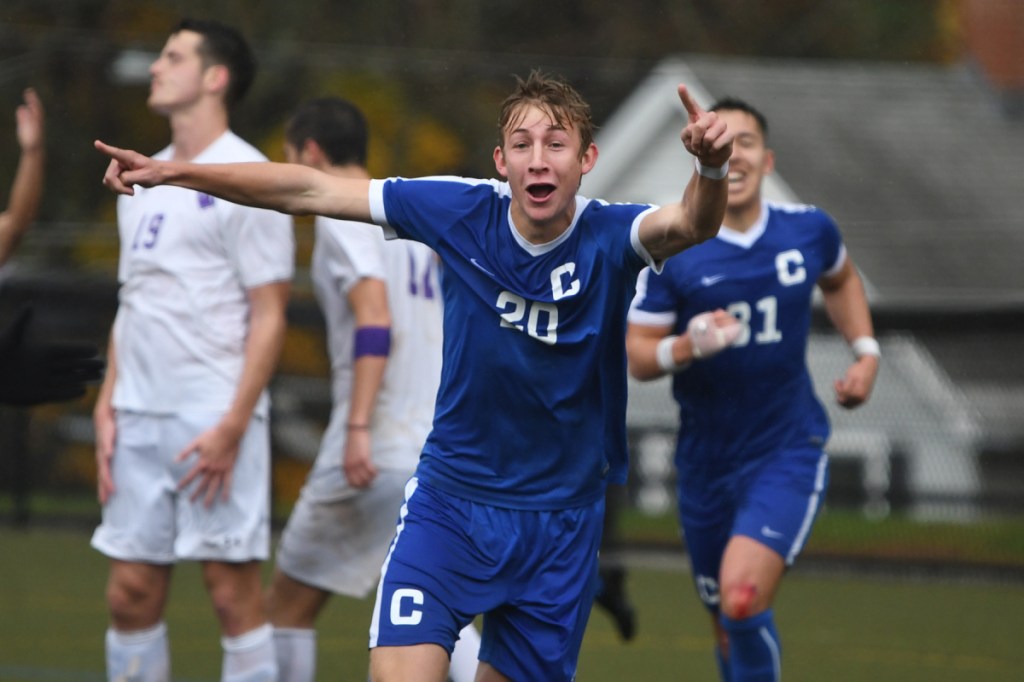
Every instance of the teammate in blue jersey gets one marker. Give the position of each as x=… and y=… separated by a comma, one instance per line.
x=730, y=319
x=504, y=515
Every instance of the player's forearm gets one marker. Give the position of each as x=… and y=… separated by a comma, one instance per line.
x=696, y=218
x=367, y=378
x=267, y=327
x=284, y=187
x=105, y=396
x=23, y=205
x=642, y=352
x=704, y=202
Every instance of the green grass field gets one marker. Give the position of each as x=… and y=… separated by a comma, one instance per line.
x=834, y=628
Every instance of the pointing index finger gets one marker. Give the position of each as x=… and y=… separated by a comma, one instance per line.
x=105, y=148
x=692, y=108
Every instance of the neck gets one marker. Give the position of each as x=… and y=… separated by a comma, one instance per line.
x=742, y=218
x=195, y=129
x=541, y=232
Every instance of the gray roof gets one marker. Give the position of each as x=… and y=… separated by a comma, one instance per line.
x=916, y=163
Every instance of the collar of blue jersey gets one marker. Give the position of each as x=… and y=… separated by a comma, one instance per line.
x=748, y=238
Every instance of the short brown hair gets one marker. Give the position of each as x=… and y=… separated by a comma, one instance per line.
x=556, y=98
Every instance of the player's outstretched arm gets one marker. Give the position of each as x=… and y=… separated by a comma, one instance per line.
x=27, y=189
x=699, y=214
x=284, y=187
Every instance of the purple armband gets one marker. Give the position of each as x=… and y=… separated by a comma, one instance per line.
x=372, y=341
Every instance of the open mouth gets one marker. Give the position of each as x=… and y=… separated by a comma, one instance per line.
x=540, y=191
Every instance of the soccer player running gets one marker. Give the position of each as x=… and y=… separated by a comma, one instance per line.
x=504, y=515
x=381, y=301
x=730, y=320
x=182, y=433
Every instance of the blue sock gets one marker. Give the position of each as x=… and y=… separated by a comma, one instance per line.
x=755, y=654
x=723, y=665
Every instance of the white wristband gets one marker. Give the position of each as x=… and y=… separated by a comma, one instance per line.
x=711, y=172
x=865, y=345
x=666, y=362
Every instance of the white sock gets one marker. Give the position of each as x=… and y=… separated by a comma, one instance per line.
x=138, y=656
x=249, y=657
x=296, y=654
x=464, y=656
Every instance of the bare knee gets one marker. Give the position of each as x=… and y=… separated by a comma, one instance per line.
x=135, y=596
x=292, y=604
x=236, y=595
x=741, y=600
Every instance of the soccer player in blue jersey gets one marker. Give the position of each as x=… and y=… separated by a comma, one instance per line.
x=504, y=514
x=730, y=319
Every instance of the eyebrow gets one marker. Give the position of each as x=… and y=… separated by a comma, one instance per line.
x=552, y=127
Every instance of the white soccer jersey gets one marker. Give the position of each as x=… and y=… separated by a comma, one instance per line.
x=346, y=252
x=186, y=261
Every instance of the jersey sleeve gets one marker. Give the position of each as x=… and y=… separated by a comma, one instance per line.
x=654, y=302
x=832, y=248
x=261, y=244
x=423, y=209
x=355, y=251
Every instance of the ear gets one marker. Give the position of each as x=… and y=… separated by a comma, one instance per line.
x=499, y=162
x=311, y=154
x=216, y=78
x=769, y=162
x=589, y=158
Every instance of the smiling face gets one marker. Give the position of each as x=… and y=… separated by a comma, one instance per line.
x=544, y=162
x=750, y=162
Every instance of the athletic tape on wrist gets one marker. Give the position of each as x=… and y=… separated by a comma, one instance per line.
x=711, y=172
x=865, y=345
x=374, y=341
x=664, y=356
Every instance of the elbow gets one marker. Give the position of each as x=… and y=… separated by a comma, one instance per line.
x=706, y=226
x=705, y=233
x=639, y=370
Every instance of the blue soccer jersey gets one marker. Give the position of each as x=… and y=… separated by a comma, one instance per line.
x=757, y=396
x=531, y=408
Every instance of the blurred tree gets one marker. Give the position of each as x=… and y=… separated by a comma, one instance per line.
x=430, y=72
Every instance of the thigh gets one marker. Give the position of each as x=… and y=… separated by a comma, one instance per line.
x=436, y=576
x=337, y=543
x=705, y=538
x=138, y=521
x=237, y=529
x=414, y=663
x=782, y=500
x=537, y=633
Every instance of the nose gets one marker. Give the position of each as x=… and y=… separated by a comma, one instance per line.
x=538, y=160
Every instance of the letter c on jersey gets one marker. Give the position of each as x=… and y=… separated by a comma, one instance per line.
x=414, y=616
x=557, y=290
x=790, y=266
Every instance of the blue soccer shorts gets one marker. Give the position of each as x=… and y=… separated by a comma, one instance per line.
x=775, y=503
x=531, y=573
